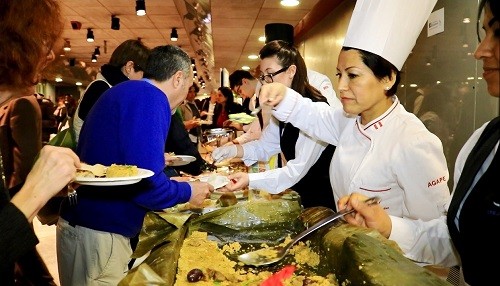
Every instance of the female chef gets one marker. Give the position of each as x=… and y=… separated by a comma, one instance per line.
x=473, y=216
x=382, y=150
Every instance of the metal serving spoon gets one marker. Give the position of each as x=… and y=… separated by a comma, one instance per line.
x=256, y=111
x=271, y=255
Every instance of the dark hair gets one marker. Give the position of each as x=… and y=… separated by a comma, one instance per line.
x=494, y=7
x=236, y=78
x=228, y=94
x=288, y=55
x=196, y=87
x=28, y=32
x=165, y=61
x=380, y=67
x=130, y=50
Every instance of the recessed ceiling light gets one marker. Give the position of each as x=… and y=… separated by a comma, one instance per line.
x=245, y=68
x=90, y=35
x=78, y=83
x=262, y=38
x=58, y=79
x=253, y=57
x=290, y=3
x=140, y=8
x=67, y=46
x=413, y=85
x=466, y=20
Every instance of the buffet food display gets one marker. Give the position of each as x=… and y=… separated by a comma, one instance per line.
x=188, y=245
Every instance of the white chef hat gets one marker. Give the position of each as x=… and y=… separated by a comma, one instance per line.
x=388, y=28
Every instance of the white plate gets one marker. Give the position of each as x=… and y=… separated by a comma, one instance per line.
x=217, y=181
x=117, y=181
x=181, y=160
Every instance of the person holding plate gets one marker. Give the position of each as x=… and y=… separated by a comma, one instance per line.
x=93, y=236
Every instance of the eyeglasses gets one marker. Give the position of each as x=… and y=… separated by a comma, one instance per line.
x=268, y=78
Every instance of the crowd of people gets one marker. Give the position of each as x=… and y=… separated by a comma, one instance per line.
x=339, y=144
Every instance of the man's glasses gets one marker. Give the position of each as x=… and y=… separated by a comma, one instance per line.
x=268, y=78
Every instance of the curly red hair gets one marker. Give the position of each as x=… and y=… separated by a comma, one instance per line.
x=28, y=32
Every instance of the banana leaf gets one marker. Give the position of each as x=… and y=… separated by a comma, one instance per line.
x=156, y=228
x=162, y=261
x=254, y=222
x=143, y=275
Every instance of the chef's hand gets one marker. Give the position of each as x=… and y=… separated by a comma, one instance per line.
x=237, y=181
x=199, y=192
x=224, y=152
x=272, y=93
x=371, y=216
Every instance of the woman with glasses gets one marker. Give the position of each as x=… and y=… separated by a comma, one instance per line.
x=304, y=160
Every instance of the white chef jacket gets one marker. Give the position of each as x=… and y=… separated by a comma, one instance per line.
x=430, y=241
x=394, y=157
x=307, y=149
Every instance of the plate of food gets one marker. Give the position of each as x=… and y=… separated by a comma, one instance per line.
x=114, y=175
x=178, y=160
x=217, y=181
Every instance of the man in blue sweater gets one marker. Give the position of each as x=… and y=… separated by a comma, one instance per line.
x=127, y=125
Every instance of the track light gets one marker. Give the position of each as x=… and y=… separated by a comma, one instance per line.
x=94, y=58
x=173, y=35
x=115, y=23
x=67, y=46
x=140, y=7
x=97, y=52
x=90, y=35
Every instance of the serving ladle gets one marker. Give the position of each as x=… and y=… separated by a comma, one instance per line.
x=274, y=254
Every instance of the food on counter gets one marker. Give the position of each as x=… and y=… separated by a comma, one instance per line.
x=195, y=275
x=200, y=254
x=228, y=199
x=115, y=170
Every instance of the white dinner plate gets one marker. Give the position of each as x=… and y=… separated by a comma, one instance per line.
x=117, y=181
x=181, y=160
x=217, y=181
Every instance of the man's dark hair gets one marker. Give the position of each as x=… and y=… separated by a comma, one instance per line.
x=236, y=78
x=165, y=61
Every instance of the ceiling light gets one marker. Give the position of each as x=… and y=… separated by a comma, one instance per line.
x=78, y=83
x=262, y=38
x=173, y=35
x=245, y=68
x=289, y=3
x=115, y=23
x=67, y=46
x=97, y=52
x=94, y=58
x=58, y=79
x=140, y=7
x=90, y=35
x=253, y=57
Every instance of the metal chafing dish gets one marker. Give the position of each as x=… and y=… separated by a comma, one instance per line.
x=218, y=136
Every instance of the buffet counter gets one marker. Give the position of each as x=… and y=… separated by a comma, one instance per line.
x=199, y=246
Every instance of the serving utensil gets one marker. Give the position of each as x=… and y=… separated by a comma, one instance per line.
x=256, y=111
x=271, y=255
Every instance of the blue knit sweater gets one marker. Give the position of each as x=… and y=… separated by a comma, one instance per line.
x=127, y=125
